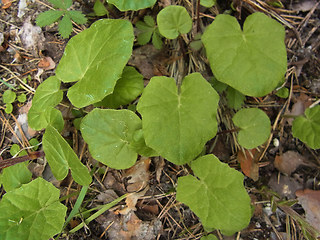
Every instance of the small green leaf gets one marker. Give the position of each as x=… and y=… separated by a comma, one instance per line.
x=109, y=135
x=67, y=3
x=127, y=5
x=65, y=26
x=177, y=125
x=283, y=92
x=107, y=47
x=217, y=85
x=144, y=37
x=254, y=127
x=78, y=17
x=8, y=96
x=32, y=211
x=207, y=3
x=127, y=89
x=61, y=157
x=216, y=195
x=99, y=8
x=14, y=149
x=22, y=98
x=307, y=128
x=156, y=39
x=57, y=3
x=54, y=118
x=149, y=21
x=9, y=108
x=174, y=20
x=209, y=237
x=48, y=17
x=252, y=61
x=14, y=176
x=34, y=143
x=235, y=98
x=39, y=119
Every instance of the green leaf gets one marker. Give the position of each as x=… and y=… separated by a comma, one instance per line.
x=14, y=176
x=307, y=128
x=67, y=3
x=99, y=9
x=61, y=157
x=127, y=89
x=283, y=92
x=216, y=195
x=9, y=108
x=39, y=119
x=127, y=5
x=177, y=125
x=207, y=3
x=109, y=135
x=14, y=149
x=48, y=17
x=22, y=98
x=78, y=17
x=47, y=96
x=58, y=3
x=144, y=37
x=235, y=98
x=65, y=26
x=32, y=211
x=209, y=237
x=217, y=85
x=252, y=61
x=174, y=20
x=156, y=39
x=107, y=46
x=149, y=21
x=140, y=146
x=8, y=96
x=34, y=143
x=254, y=127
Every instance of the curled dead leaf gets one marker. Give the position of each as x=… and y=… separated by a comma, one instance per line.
x=138, y=175
x=47, y=63
x=6, y=4
x=249, y=163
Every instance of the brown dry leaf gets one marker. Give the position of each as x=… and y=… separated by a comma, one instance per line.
x=131, y=202
x=248, y=162
x=284, y=185
x=298, y=108
x=290, y=161
x=310, y=201
x=159, y=162
x=139, y=175
x=47, y=63
x=6, y=4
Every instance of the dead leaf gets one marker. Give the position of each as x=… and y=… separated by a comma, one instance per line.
x=6, y=4
x=283, y=185
x=107, y=196
x=131, y=202
x=310, y=201
x=47, y=63
x=298, y=108
x=138, y=175
x=159, y=162
x=248, y=162
x=290, y=161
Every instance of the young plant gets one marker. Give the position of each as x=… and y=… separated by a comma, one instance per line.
x=8, y=98
x=149, y=30
x=62, y=15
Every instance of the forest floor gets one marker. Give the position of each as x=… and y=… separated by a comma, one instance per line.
x=277, y=170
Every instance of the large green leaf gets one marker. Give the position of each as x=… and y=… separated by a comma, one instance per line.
x=95, y=59
x=47, y=96
x=254, y=127
x=127, y=89
x=178, y=125
x=61, y=157
x=174, y=20
x=216, y=195
x=307, y=128
x=31, y=212
x=109, y=134
x=252, y=61
x=127, y=5
x=14, y=176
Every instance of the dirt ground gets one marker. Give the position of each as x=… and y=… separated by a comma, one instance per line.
x=277, y=170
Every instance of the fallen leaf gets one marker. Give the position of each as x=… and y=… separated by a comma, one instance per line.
x=249, y=163
x=310, y=201
x=298, y=108
x=138, y=175
x=6, y=4
x=283, y=185
x=159, y=162
x=47, y=63
x=288, y=162
x=131, y=202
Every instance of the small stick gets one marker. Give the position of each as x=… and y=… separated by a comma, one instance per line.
x=12, y=161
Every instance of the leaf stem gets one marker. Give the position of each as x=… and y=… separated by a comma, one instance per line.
x=12, y=161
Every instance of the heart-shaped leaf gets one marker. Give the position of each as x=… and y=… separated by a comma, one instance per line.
x=95, y=58
x=307, y=128
x=61, y=157
x=254, y=127
x=109, y=135
x=174, y=20
x=39, y=119
x=127, y=5
x=216, y=195
x=32, y=211
x=177, y=125
x=252, y=61
x=127, y=89
x=47, y=96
